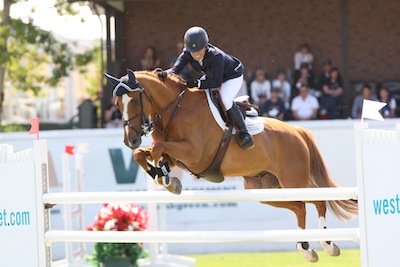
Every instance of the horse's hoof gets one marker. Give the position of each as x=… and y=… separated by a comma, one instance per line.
x=175, y=186
x=309, y=254
x=330, y=248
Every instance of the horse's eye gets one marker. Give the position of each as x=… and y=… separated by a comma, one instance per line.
x=135, y=100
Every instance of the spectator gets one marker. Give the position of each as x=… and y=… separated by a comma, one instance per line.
x=305, y=106
x=303, y=56
x=187, y=73
x=366, y=93
x=112, y=115
x=388, y=111
x=274, y=107
x=332, y=95
x=325, y=75
x=179, y=50
x=260, y=88
x=150, y=60
x=283, y=87
x=305, y=77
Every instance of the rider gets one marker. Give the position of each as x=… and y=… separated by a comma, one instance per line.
x=220, y=69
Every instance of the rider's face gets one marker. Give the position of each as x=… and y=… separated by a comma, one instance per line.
x=199, y=55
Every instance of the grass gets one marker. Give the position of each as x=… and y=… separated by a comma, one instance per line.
x=348, y=258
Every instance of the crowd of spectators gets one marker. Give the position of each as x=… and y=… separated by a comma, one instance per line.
x=304, y=93
x=291, y=94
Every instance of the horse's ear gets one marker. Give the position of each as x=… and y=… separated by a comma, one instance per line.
x=112, y=79
x=131, y=76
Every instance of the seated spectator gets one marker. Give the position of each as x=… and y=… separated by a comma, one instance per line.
x=274, y=107
x=305, y=106
x=323, y=78
x=283, y=87
x=150, y=60
x=305, y=77
x=303, y=56
x=388, y=111
x=366, y=93
x=332, y=95
x=112, y=115
x=260, y=88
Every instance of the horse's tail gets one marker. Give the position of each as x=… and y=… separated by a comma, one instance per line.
x=320, y=177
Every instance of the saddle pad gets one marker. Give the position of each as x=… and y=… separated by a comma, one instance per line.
x=254, y=125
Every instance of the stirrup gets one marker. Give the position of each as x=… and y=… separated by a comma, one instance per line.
x=246, y=136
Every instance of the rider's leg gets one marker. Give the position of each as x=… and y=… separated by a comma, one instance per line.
x=229, y=90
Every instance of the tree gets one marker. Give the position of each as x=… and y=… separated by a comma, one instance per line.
x=27, y=51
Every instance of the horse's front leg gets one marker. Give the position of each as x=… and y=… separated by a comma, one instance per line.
x=186, y=152
x=142, y=156
x=158, y=171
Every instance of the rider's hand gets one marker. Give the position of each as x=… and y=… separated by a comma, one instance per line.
x=192, y=83
x=162, y=74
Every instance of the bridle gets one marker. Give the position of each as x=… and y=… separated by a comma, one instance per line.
x=146, y=125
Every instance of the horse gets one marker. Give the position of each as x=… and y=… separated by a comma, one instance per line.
x=186, y=135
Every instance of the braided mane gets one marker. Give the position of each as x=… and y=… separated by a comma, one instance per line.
x=173, y=79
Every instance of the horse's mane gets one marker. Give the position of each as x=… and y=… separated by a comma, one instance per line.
x=173, y=79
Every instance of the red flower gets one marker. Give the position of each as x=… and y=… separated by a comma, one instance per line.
x=120, y=217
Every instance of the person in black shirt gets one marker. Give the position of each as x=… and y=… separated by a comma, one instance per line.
x=219, y=69
x=274, y=107
x=332, y=94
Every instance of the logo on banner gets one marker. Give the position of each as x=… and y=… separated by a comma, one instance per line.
x=123, y=174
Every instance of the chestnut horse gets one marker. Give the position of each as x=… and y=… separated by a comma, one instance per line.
x=186, y=135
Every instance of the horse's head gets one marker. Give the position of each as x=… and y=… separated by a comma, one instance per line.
x=132, y=103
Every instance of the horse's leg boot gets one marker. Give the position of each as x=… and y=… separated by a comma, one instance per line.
x=237, y=119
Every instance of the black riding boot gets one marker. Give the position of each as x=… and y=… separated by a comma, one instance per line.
x=237, y=119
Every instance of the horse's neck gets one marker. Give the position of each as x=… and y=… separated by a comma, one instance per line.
x=161, y=96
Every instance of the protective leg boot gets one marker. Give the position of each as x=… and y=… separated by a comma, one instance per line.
x=237, y=119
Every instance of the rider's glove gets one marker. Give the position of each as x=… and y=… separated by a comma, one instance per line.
x=192, y=83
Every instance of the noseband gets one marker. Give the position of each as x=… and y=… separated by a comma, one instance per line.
x=144, y=123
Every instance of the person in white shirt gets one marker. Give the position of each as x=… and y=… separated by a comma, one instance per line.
x=303, y=56
x=283, y=87
x=260, y=88
x=305, y=106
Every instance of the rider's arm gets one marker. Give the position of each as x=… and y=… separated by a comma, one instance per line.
x=214, y=79
x=180, y=63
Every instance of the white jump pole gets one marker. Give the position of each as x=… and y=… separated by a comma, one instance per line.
x=287, y=194
x=351, y=234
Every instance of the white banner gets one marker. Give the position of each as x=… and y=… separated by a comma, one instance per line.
x=108, y=166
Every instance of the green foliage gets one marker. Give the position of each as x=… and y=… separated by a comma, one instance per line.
x=103, y=251
x=31, y=51
x=34, y=58
x=63, y=7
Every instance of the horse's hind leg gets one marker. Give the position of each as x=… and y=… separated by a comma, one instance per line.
x=268, y=180
x=299, y=208
x=329, y=247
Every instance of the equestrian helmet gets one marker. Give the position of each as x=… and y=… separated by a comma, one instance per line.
x=195, y=39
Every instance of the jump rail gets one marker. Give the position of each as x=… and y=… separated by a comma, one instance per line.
x=351, y=234
x=291, y=194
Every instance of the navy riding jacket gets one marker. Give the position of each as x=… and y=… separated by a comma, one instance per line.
x=217, y=65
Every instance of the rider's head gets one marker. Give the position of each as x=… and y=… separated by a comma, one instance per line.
x=195, y=39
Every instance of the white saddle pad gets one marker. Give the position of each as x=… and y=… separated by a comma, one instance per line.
x=254, y=125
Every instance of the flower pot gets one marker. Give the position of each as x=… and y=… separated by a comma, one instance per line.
x=116, y=262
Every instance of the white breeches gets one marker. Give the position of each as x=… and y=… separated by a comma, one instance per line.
x=229, y=90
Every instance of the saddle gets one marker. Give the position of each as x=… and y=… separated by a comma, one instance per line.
x=242, y=102
x=213, y=172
